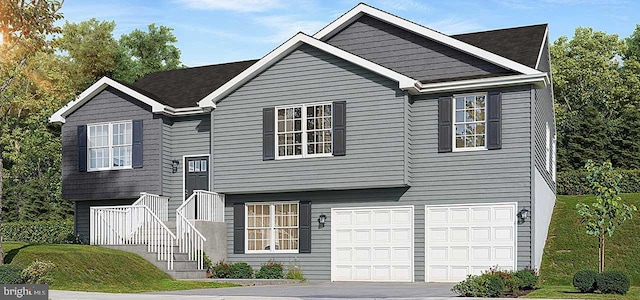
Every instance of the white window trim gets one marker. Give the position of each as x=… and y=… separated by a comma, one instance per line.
x=272, y=242
x=547, y=147
x=110, y=146
x=453, y=123
x=555, y=156
x=304, y=131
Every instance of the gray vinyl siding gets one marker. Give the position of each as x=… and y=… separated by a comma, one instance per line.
x=375, y=143
x=544, y=112
x=108, y=106
x=181, y=136
x=82, y=214
x=490, y=176
x=409, y=53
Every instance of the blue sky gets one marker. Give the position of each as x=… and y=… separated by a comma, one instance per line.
x=217, y=31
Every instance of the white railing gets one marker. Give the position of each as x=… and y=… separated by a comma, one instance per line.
x=132, y=225
x=200, y=206
x=159, y=205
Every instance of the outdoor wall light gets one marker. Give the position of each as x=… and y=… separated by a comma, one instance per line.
x=523, y=214
x=321, y=220
x=174, y=165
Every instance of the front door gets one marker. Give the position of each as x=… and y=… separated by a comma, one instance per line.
x=197, y=174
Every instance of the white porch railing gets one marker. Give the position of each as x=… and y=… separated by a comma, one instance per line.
x=200, y=206
x=132, y=225
x=159, y=205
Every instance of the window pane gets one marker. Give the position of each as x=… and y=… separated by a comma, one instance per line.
x=480, y=101
x=280, y=126
x=280, y=114
x=197, y=166
x=469, y=115
x=479, y=114
x=310, y=111
x=191, y=166
x=311, y=149
x=460, y=129
x=327, y=110
x=327, y=136
x=459, y=103
x=480, y=128
x=281, y=151
x=203, y=165
x=480, y=141
x=460, y=142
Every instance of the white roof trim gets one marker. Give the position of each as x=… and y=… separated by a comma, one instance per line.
x=156, y=107
x=539, y=80
x=404, y=82
x=360, y=9
x=544, y=40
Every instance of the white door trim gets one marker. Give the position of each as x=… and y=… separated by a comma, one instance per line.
x=184, y=174
x=412, y=235
x=515, y=220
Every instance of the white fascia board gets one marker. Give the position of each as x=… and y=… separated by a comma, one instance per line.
x=348, y=18
x=60, y=115
x=544, y=40
x=538, y=80
x=404, y=82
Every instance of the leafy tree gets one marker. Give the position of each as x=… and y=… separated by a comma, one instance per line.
x=602, y=216
x=24, y=26
x=91, y=50
x=148, y=52
x=633, y=44
x=584, y=135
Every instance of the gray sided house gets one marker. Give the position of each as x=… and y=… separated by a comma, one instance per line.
x=375, y=150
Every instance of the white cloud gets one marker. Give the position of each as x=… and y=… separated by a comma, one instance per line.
x=233, y=5
x=455, y=25
x=285, y=26
x=402, y=5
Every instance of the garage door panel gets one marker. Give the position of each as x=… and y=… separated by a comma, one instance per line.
x=473, y=239
x=372, y=244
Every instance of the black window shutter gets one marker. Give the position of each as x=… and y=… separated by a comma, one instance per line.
x=238, y=228
x=136, y=160
x=268, y=133
x=339, y=128
x=305, y=227
x=445, y=129
x=82, y=148
x=494, y=121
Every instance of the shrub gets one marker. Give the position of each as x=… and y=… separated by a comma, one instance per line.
x=10, y=274
x=585, y=281
x=207, y=264
x=220, y=270
x=270, y=270
x=513, y=284
x=528, y=278
x=49, y=232
x=485, y=285
x=613, y=282
x=37, y=272
x=294, y=272
x=241, y=270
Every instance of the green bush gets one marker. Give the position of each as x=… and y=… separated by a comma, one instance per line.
x=294, y=272
x=485, y=285
x=575, y=182
x=37, y=272
x=585, y=281
x=270, y=270
x=10, y=274
x=49, y=232
x=220, y=270
x=613, y=282
x=241, y=270
x=206, y=262
x=528, y=278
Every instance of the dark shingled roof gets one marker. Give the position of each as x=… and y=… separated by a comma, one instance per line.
x=185, y=87
x=520, y=44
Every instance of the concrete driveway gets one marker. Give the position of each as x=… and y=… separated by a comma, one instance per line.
x=333, y=290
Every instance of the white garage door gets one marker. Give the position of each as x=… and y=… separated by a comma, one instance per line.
x=468, y=239
x=372, y=244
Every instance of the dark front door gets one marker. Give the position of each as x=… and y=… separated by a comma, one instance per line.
x=197, y=175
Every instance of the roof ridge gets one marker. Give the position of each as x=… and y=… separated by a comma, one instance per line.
x=499, y=29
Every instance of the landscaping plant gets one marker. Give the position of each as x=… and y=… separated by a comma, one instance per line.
x=271, y=270
x=220, y=270
x=613, y=282
x=37, y=272
x=528, y=278
x=602, y=216
x=240, y=270
x=10, y=274
x=585, y=281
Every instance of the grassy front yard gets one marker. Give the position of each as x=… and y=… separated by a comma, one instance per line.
x=570, y=249
x=97, y=269
x=568, y=292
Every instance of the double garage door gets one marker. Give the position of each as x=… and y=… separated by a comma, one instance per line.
x=376, y=244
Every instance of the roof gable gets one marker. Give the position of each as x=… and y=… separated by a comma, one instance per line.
x=362, y=9
x=404, y=82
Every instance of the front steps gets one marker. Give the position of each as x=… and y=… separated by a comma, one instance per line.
x=183, y=268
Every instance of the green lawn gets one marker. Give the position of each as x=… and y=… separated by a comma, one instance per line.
x=568, y=292
x=98, y=269
x=570, y=249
